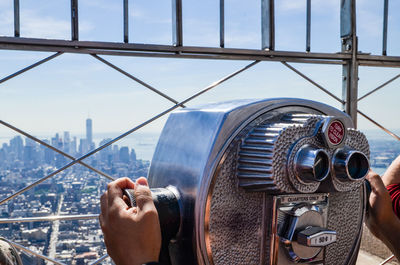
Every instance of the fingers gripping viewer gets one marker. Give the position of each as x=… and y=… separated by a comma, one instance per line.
x=132, y=235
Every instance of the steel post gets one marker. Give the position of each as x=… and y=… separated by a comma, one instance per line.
x=267, y=25
x=177, y=38
x=385, y=26
x=222, y=23
x=308, y=26
x=350, y=69
x=126, y=21
x=74, y=20
x=16, y=19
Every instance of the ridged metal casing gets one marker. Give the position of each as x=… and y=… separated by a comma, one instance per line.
x=266, y=157
x=265, y=150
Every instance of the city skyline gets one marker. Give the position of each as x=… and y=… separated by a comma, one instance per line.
x=33, y=153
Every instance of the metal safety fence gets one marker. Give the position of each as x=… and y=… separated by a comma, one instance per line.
x=349, y=58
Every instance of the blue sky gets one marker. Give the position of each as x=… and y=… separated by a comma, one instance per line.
x=61, y=94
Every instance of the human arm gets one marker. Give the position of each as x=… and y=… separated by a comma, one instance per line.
x=132, y=235
x=380, y=219
x=392, y=174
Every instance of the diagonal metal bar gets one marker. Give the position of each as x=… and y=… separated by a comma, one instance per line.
x=379, y=87
x=380, y=126
x=387, y=260
x=99, y=260
x=312, y=81
x=135, y=79
x=161, y=114
x=27, y=250
x=48, y=218
x=30, y=67
x=54, y=149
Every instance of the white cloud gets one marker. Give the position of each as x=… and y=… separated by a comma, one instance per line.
x=291, y=5
x=104, y=4
x=35, y=25
x=6, y=22
x=316, y=5
x=148, y=17
x=369, y=24
x=242, y=39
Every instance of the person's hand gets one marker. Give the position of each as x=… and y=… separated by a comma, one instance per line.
x=380, y=218
x=132, y=235
x=380, y=211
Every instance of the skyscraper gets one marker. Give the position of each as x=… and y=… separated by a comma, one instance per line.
x=89, y=134
x=67, y=142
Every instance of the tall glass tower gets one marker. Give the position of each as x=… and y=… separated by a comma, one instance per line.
x=89, y=133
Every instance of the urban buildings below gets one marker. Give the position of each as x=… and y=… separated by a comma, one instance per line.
x=74, y=191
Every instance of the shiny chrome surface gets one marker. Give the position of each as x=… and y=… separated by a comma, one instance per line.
x=270, y=156
x=293, y=214
x=199, y=138
x=297, y=251
x=313, y=236
x=312, y=164
x=350, y=165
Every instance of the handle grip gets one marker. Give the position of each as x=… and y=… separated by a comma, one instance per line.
x=368, y=190
x=166, y=202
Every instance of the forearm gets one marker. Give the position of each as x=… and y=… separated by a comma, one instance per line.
x=392, y=174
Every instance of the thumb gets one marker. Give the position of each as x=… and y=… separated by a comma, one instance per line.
x=144, y=200
x=376, y=182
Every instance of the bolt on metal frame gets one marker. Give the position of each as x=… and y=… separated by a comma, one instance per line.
x=349, y=58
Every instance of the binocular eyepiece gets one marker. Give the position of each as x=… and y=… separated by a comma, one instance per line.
x=350, y=165
x=314, y=165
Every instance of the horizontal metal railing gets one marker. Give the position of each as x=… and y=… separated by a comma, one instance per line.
x=50, y=218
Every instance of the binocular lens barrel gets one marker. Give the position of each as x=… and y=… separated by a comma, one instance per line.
x=311, y=164
x=350, y=165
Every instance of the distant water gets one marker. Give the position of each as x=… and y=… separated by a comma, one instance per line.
x=379, y=170
x=144, y=144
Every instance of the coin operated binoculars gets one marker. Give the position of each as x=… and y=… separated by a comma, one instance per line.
x=275, y=181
